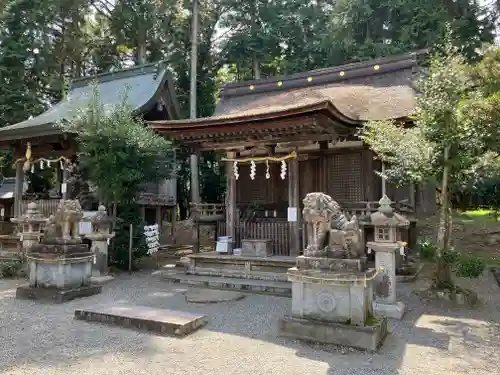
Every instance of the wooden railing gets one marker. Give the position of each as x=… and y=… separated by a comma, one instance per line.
x=365, y=208
x=46, y=206
x=276, y=230
x=208, y=212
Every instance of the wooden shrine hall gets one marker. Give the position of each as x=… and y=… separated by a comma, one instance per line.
x=39, y=145
x=287, y=136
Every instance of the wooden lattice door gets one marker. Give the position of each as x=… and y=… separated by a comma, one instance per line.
x=345, y=181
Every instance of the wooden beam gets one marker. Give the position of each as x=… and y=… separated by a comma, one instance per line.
x=18, y=191
x=231, y=216
x=295, y=227
x=209, y=146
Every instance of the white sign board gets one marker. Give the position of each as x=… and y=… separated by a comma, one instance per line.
x=85, y=226
x=152, y=238
x=292, y=213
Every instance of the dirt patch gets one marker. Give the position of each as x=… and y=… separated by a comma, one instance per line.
x=479, y=236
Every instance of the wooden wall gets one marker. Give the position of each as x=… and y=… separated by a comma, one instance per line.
x=342, y=177
x=347, y=175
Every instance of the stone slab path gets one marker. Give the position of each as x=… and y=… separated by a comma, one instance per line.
x=160, y=321
x=240, y=338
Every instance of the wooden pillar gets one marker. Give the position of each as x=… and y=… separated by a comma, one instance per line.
x=65, y=177
x=384, y=187
x=174, y=222
x=412, y=193
x=18, y=192
x=195, y=201
x=142, y=210
x=159, y=218
x=323, y=167
x=195, y=179
x=231, y=217
x=294, y=203
x=368, y=176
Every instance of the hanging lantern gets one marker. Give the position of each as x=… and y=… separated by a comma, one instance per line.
x=28, y=151
x=268, y=174
x=42, y=164
x=27, y=163
x=61, y=164
x=32, y=170
x=283, y=170
x=48, y=163
x=253, y=169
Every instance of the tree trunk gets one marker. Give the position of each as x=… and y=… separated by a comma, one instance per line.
x=443, y=272
x=256, y=66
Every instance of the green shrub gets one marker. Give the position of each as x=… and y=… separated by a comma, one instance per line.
x=427, y=249
x=10, y=268
x=118, y=252
x=470, y=266
x=451, y=256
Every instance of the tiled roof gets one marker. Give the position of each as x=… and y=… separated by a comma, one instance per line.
x=142, y=85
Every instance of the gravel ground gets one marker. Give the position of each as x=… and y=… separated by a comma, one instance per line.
x=241, y=338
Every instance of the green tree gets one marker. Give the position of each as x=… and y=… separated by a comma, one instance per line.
x=120, y=152
x=456, y=126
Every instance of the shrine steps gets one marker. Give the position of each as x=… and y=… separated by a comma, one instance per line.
x=276, y=288
x=266, y=275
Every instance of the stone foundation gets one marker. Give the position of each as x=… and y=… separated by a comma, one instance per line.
x=367, y=337
x=56, y=295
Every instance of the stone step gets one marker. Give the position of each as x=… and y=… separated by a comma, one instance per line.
x=277, y=288
x=160, y=321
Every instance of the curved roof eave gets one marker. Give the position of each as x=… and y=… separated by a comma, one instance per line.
x=206, y=122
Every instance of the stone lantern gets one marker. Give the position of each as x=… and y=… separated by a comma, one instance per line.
x=386, y=243
x=100, y=237
x=30, y=226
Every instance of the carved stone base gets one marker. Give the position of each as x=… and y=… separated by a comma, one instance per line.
x=368, y=337
x=394, y=311
x=332, y=296
x=60, y=272
x=56, y=295
x=330, y=264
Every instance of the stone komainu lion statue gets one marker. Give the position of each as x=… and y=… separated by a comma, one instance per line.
x=329, y=234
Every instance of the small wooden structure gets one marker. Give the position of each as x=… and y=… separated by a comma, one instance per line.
x=308, y=123
x=150, y=94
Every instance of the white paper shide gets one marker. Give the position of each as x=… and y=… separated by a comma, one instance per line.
x=152, y=238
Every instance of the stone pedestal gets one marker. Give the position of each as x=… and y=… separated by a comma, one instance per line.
x=333, y=305
x=100, y=237
x=385, y=284
x=60, y=266
x=332, y=291
x=99, y=248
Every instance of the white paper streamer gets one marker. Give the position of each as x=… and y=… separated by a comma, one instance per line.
x=253, y=169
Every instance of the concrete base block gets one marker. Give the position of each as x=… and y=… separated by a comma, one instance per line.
x=56, y=295
x=394, y=311
x=367, y=337
x=160, y=321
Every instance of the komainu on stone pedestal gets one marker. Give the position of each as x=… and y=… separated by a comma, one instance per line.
x=329, y=234
x=60, y=265
x=332, y=290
